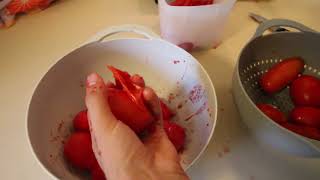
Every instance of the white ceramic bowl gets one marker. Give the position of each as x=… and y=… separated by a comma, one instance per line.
x=165, y=67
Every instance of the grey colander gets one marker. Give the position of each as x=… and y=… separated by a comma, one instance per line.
x=256, y=58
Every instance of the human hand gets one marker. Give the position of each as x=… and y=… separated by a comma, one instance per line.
x=118, y=150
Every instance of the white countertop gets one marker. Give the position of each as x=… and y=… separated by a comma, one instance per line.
x=37, y=41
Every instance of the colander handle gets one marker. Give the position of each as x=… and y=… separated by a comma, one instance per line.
x=280, y=22
x=147, y=33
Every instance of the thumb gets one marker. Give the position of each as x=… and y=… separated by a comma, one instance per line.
x=100, y=115
x=101, y=120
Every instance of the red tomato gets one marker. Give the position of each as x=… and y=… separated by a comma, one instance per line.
x=175, y=133
x=78, y=150
x=188, y=46
x=308, y=116
x=305, y=91
x=191, y=2
x=127, y=103
x=306, y=131
x=272, y=112
x=126, y=110
x=22, y=6
x=80, y=122
x=166, y=112
x=281, y=74
x=96, y=172
x=177, y=3
x=209, y=2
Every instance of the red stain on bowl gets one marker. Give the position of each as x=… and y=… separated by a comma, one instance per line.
x=55, y=139
x=199, y=111
x=176, y=61
x=196, y=94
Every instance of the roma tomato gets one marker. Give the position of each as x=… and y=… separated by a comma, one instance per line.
x=273, y=113
x=127, y=103
x=78, y=150
x=80, y=121
x=306, y=131
x=308, y=116
x=281, y=74
x=177, y=3
x=127, y=111
x=305, y=91
x=96, y=172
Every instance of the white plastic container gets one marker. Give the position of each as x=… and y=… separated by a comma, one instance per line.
x=201, y=26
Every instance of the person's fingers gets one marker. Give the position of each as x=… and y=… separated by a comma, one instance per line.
x=100, y=116
x=113, y=141
x=152, y=101
x=138, y=80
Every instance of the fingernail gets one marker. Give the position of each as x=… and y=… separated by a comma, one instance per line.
x=92, y=79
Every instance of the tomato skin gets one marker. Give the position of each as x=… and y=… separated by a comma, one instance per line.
x=308, y=116
x=309, y=132
x=273, y=113
x=281, y=74
x=305, y=91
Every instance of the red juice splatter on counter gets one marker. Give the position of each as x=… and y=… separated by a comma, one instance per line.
x=226, y=149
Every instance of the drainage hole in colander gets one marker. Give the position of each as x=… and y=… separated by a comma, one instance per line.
x=315, y=71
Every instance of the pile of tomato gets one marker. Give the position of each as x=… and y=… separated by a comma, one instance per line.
x=304, y=118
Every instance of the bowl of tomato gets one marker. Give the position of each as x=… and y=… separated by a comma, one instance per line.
x=57, y=124
x=276, y=85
